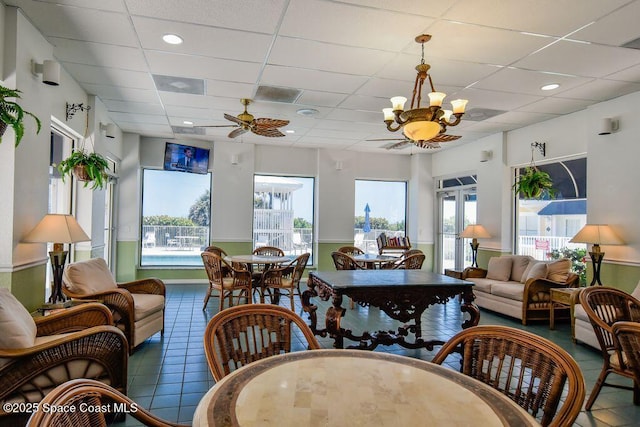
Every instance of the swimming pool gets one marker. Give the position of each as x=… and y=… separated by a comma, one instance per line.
x=187, y=260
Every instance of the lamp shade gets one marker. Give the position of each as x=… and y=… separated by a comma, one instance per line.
x=597, y=234
x=57, y=228
x=475, y=231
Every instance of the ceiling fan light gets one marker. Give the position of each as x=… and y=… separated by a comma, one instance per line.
x=459, y=105
x=446, y=114
x=435, y=98
x=388, y=114
x=398, y=103
x=421, y=130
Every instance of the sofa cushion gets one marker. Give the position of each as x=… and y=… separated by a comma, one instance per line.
x=499, y=268
x=17, y=326
x=538, y=271
x=558, y=271
x=519, y=265
x=511, y=290
x=146, y=304
x=482, y=284
x=88, y=277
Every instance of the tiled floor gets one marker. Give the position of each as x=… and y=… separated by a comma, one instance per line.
x=169, y=374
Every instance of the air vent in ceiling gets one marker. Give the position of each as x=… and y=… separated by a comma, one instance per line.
x=633, y=44
x=187, y=130
x=480, y=114
x=277, y=94
x=179, y=84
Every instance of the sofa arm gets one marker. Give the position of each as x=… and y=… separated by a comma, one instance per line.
x=474, y=272
x=74, y=319
x=145, y=286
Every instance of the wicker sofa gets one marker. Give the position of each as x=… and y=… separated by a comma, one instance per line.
x=518, y=286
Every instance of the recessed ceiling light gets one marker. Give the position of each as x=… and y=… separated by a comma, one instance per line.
x=307, y=111
x=290, y=131
x=551, y=86
x=172, y=39
x=187, y=122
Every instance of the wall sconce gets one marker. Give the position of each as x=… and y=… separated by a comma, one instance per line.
x=541, y=146
x=72, y=109
x=49, y=69
x=235, y=159
x=339, y=165
x=608, y=125
x=486, y=155
x=109, y=130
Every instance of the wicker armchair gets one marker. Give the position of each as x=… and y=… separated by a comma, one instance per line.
x=532, y=371
x=285, y=278
x=409, y=262
x=344, y=261
x=243, y=334
x=83, y=393
x=225, y=279
x=604, y=307
x=351, y=250
x=76, y=342
x=137, y=307
x=627, y=339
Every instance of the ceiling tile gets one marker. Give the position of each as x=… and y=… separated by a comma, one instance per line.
x=480, y=98
x=555, y=105
x=324, y=99
x=110, y=76
x=119, y=93
x=99, y=54
x=528, y=82
x=601, y=90
x=522, y=118
x=311, y=79
x=614, y=29
x=134, y=107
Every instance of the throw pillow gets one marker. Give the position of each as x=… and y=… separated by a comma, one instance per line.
x=520, y=264
x=559, y=270
x=88, y=277
x=499, y=268
x=538, y=271
x=17, y=326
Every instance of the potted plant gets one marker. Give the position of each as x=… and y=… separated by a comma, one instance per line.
x=534, y=184
x=12, y=114
x=86, y=167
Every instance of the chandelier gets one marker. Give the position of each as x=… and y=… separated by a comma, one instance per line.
x=422, y=124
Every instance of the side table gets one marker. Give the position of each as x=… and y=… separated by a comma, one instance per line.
x=562, y=298
x=456, y=274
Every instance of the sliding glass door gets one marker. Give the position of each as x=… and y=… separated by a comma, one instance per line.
x=457, y=209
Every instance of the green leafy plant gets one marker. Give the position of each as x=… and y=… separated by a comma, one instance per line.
x=12, y=114
x=534, y=184
x=577, y=256
x=89, y=168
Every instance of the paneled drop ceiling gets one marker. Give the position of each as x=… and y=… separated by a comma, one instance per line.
x=342, y=58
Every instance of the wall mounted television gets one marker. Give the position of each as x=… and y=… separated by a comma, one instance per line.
x=185, y=158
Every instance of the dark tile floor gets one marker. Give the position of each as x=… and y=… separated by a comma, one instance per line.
x=169, y=374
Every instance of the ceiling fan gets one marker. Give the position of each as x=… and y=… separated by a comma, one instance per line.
x=431, y=143
x=246, y=122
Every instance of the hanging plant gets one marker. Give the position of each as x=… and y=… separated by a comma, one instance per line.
x=534, y=184
x=87, y=167
x=12, y=114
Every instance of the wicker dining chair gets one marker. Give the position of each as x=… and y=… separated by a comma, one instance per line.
x=243, y=334
x=225, y=279
x=605, y=306
x=410, y=262
x=532, y=371
x=343, y=261
x=351, y=250
x=627, y=340
x=285, y=278
x=83, y=393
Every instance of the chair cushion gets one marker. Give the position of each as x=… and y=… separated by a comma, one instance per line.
x=499, y=268
x=511, y=290
x=89, y=277
x=538, y=271
x=17, y=326
x=558, y=271
x=146, y=304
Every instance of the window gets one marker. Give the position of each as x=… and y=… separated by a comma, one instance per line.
x=380, y=207
x=283, y=213
x=176, y=207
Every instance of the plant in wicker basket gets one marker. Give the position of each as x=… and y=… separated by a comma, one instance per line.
x=534, y=184
x=87, y=167
x=12, y=114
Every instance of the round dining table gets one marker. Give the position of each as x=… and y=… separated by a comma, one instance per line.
x=353, y=388
x=258, y=259
x=373, y=261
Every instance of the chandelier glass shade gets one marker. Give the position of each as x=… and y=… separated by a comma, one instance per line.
x=423, y=123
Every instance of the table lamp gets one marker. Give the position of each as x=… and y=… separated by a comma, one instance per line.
x=474, y=232
x=59, y=229
x=596, y=234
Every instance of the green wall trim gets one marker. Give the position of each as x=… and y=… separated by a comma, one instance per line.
x=126, y=261
x=27, y=285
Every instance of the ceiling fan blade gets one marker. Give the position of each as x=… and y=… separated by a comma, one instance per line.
x=397, y=145
x=444, y=138
x=237, y=132
x=269, y=123
x=387, y=139
x=215, y=126
x=270, y=132
x=235, y=119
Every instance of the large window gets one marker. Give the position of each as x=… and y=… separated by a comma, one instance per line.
x=176, y=208
x=283, y=213
x=380, y=207
x=544, y=227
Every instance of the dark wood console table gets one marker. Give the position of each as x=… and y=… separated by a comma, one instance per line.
x=402, y=294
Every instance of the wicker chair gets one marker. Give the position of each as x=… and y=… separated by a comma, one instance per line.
x=512, y=361
x=73, y=343
x=243, y=334
x=604, y=306
x=285, y=278
x=627, y=340
x=137, y=306
x=344, y=261
x=225, y=279
x=410, y=262
x=83, y=393
x=351, y=250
